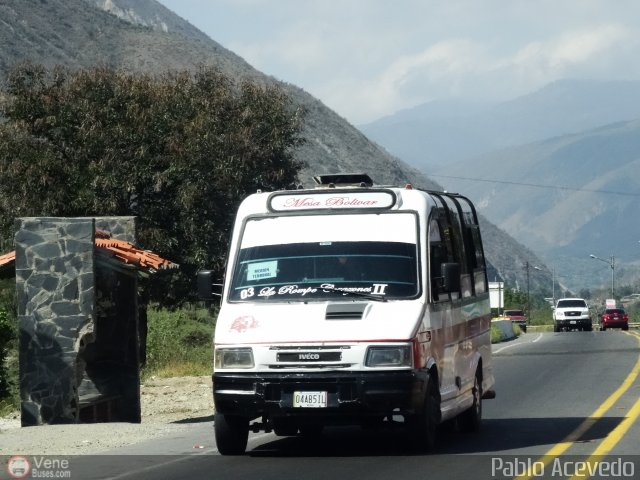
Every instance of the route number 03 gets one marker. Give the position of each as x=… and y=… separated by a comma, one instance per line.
x=247, y=293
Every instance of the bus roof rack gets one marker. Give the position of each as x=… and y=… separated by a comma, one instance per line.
x=344, y=179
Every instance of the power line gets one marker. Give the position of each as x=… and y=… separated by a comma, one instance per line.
x=537, y=185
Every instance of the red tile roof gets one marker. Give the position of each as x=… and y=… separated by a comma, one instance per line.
x=7, y=258
x=129, y=254
x=122, y=251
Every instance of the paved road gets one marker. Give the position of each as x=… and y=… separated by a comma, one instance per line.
x=564, y=395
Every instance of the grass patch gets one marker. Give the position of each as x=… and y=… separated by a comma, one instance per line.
x=182, y=369
x=497, y=335
x=9, y=405
x=10, y=398
x=179, y=343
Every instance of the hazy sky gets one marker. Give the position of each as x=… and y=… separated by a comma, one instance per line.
x=369, y=58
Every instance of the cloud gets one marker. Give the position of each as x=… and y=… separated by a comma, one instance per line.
x=468, y=68
x=370, y=58
x=577, y=48
x=444, y=69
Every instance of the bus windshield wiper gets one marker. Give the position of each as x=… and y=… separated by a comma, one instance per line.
x=370, y=296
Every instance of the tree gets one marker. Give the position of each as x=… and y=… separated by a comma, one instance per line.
x=179, y=150
x=515, y=298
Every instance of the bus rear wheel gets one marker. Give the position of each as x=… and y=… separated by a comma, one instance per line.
x=471, y=419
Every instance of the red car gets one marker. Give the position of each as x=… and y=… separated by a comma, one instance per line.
x=518, y=317
x=614, y=318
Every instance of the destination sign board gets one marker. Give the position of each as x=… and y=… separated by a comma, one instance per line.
x=335, y=200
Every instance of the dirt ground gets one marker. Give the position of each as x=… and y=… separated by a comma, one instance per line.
x=165, y=402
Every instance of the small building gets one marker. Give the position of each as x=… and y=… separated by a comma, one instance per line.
x=82, y=325
x=496, y=295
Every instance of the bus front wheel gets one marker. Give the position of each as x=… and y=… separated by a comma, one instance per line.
x=424, y=426
x=232, y=433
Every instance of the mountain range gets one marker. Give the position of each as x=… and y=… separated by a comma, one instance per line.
x=143, y=35
x=558, y=169
x=436, y=134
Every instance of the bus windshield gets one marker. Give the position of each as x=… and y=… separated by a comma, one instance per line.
x=319, y=257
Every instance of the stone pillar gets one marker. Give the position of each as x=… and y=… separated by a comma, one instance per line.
x=78, y=314
x=55, y=288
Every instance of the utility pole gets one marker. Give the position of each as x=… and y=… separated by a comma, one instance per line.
x=612, y=264
x=553, y=285
x=527, y=266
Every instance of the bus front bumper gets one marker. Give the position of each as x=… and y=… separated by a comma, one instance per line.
x=347, y=394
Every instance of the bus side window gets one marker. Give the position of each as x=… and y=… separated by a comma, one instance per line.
x=475, y=253
x=438, y=255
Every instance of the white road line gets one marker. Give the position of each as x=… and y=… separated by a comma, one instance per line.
x=518, y=344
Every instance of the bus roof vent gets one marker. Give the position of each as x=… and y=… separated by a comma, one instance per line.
x=343, y=180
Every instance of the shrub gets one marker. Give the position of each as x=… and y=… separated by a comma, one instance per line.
x=9, y=398
x=179, y=342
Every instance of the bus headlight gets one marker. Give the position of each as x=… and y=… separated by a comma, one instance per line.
x=233, y=358
x=389, y=356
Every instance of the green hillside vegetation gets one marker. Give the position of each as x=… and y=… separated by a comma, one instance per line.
x=179, y=151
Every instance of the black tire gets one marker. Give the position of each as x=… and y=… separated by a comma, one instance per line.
x=556, y=328
x=232, y=433
x=603, y=328
x=626, y=327
x=471, y=419
x=423, y=427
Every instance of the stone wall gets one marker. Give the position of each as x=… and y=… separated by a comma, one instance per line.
x=120, y=228
x=56, y=278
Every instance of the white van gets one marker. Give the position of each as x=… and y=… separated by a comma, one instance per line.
x=351, y=304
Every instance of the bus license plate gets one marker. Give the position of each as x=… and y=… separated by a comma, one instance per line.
x=572, y=322
x=310, y=399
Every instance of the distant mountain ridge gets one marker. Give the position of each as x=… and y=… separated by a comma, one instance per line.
x=434, y=135
x=570, y=196
x=142, y=35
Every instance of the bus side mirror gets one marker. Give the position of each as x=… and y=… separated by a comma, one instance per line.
x=450, y=277
x=205, y=285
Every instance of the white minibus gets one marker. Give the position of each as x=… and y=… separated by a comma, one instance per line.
x=351, y=304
